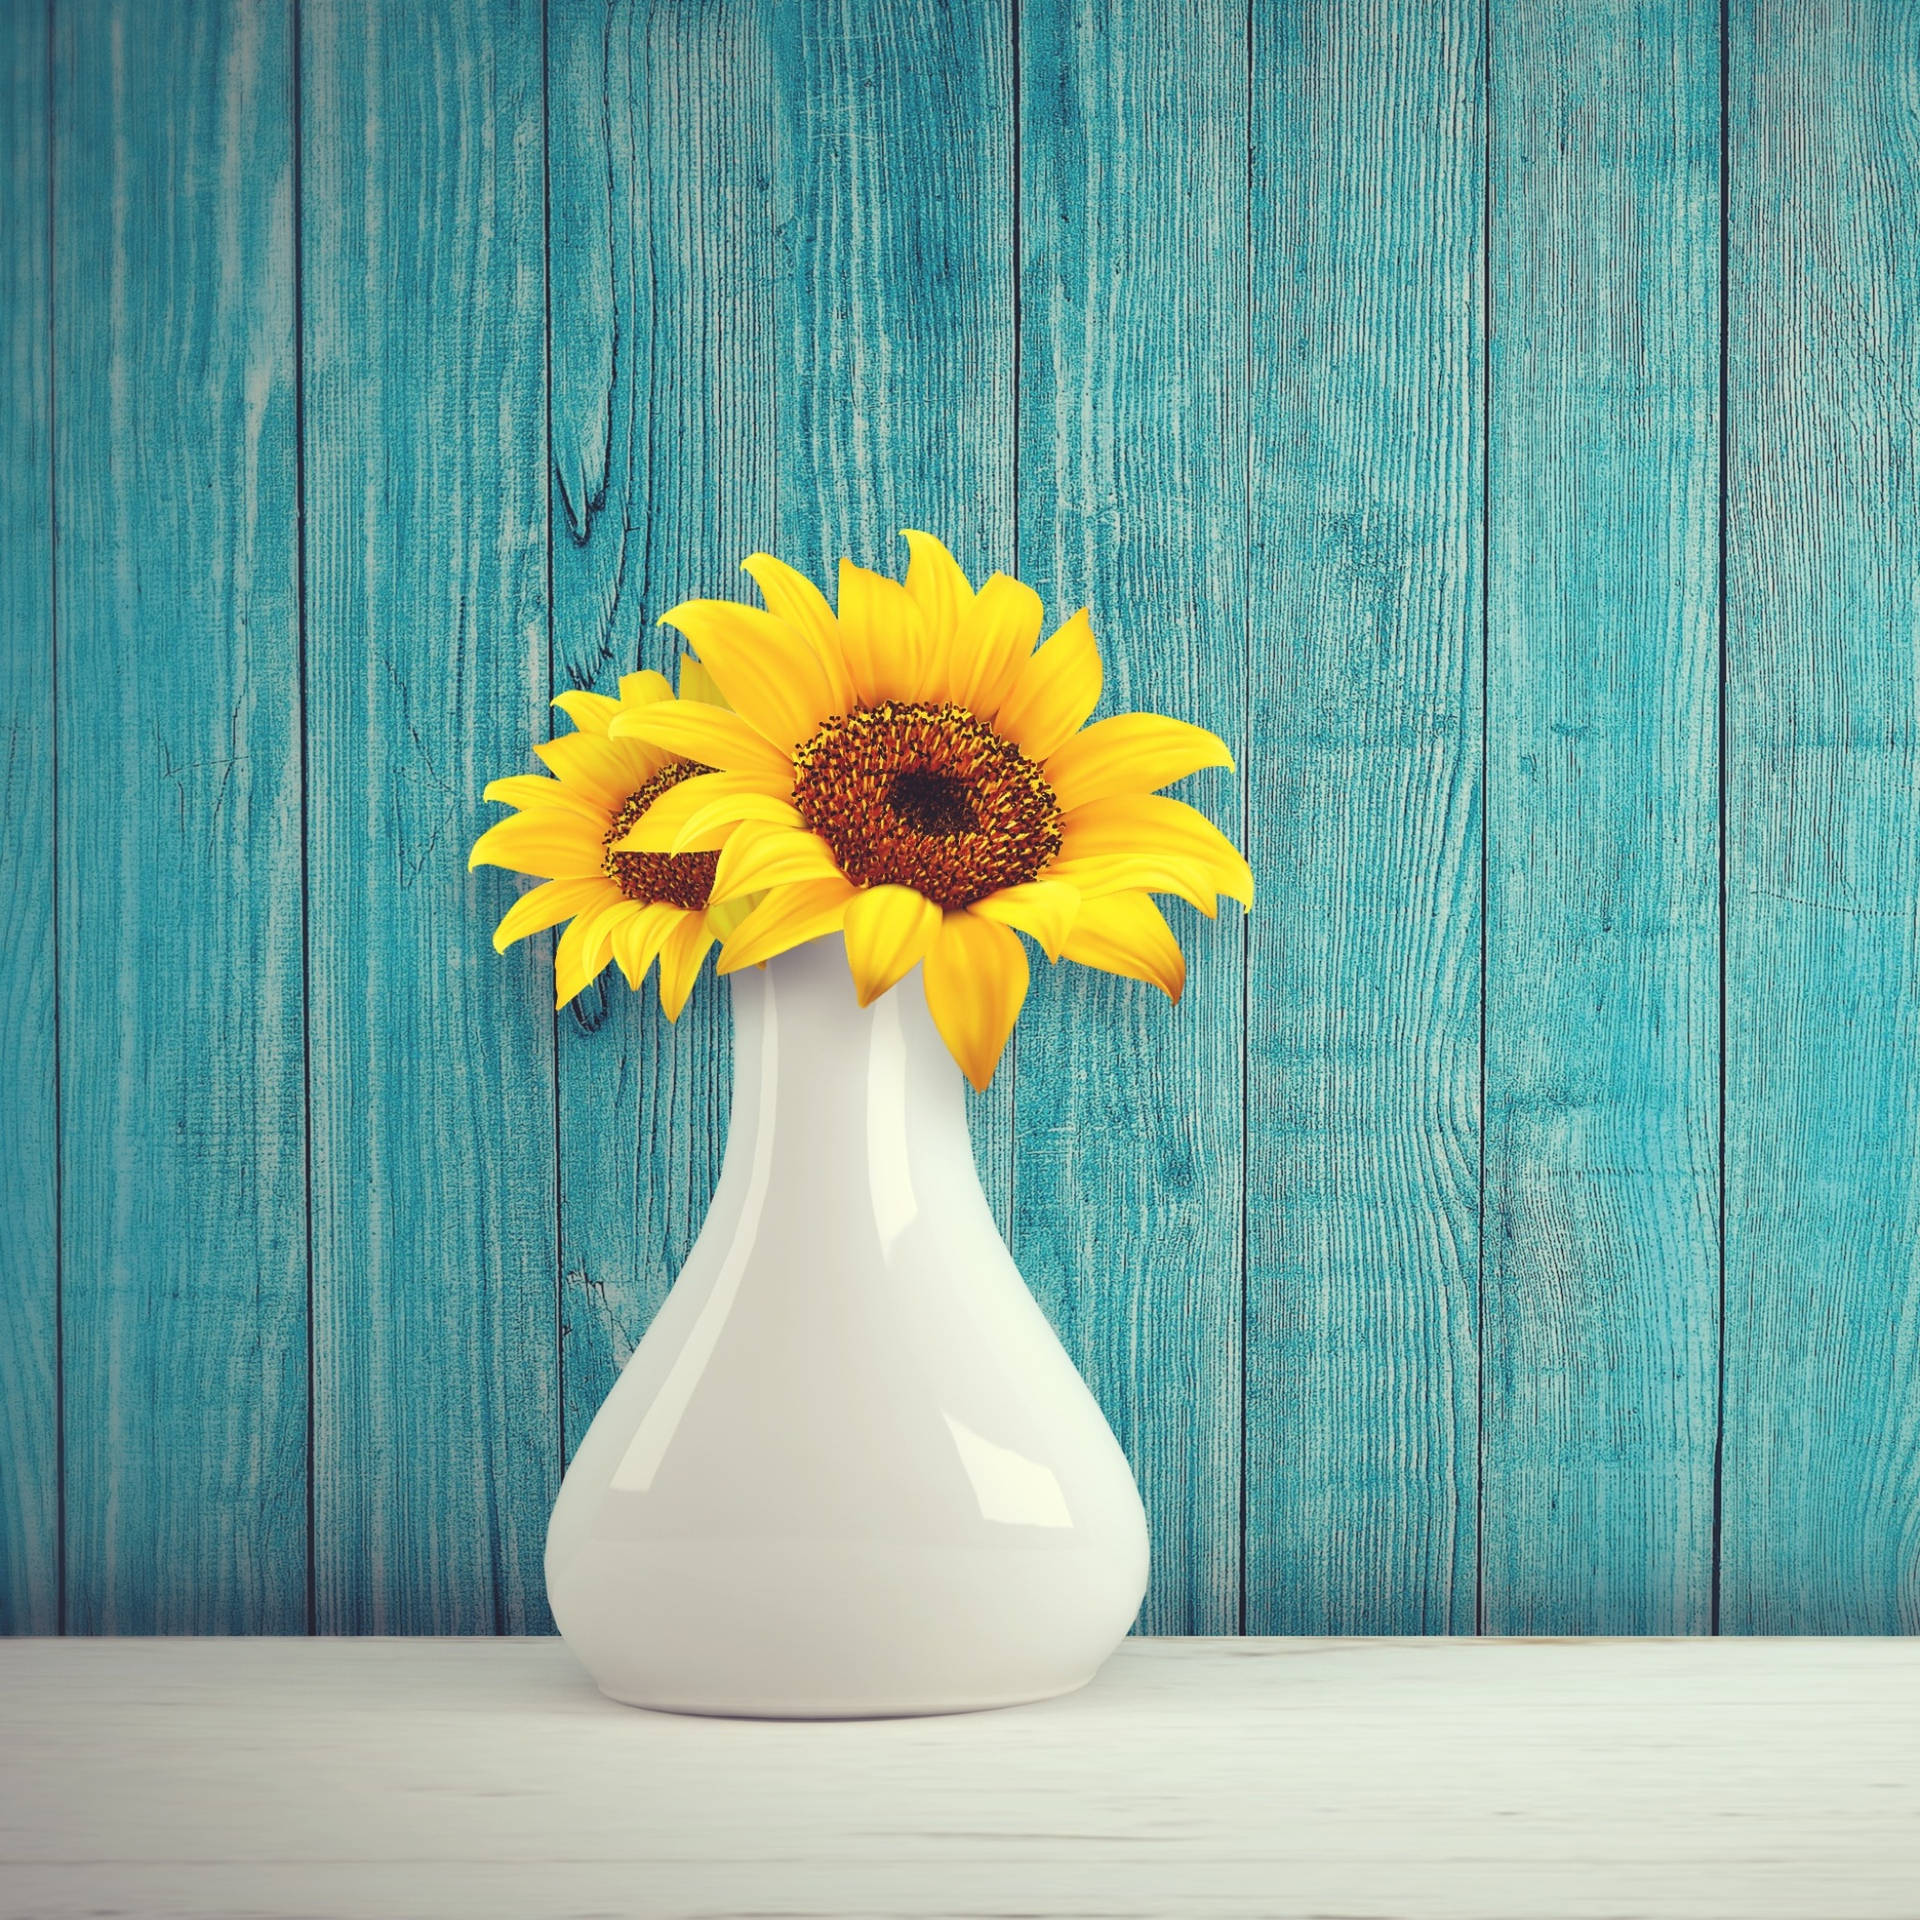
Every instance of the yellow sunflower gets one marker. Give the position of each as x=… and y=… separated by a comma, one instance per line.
x=629, y=907
x=915, y=769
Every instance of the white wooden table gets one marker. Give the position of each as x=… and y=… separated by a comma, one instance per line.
x=1532, y=1779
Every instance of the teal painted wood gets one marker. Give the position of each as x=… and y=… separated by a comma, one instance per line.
x=1821, y=1501
x=894, y=311
x=1600, y=1330
x=436, y=1416
x=661, y=241
x=1128, y=1112
x=794, y=250
x=181, y=1105
x=29, y=1223
x=1363, y=782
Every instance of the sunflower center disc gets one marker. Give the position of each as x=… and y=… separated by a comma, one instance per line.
x=926, y=797
x=658, y=879
x=933, y=803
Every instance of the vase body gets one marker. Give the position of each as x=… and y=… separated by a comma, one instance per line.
x=849, y=1471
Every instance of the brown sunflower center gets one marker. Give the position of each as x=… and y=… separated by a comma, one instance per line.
x=658, y=879
x=926, y=797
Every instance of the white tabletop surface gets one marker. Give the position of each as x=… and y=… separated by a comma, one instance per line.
x=1354, y=1780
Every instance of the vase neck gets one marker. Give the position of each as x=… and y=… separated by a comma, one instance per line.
x=852, y=1099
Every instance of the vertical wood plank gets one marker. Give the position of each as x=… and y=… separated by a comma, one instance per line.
x=894, y=366
x=437, y=1431
x=661, y=232
x=1821, y=1500
x=1128, y=1113
x=1364, y=794
x=29, y=1224
x=1601, y=1306
x=182, y=1148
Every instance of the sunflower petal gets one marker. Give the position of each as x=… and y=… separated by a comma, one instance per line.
x=725, y=920
x=552, y=845
x=992, y=641
x=693, y=730
x=603, y=928
x=787, y=917
x=708, y=830
x=590, y=712
x=1126, y=933
x=769, y=674
x=1149, y=823
x=532, y=791
x=976, y=980
x=578, y=955
x=1131, y=753
x=657, y=828
x=637, y=941
x=696, y=683
x=606, y=770
x=796, y=600
x=883, y=633
x=642, y=689
x=547, y=905
x=1098, y=875
x=758, y=855
x=680, y=961
x=889, y=930
x=1043, y=908
x=705, y=835
x=662, y=827
x=1054, y=692
x=943, y=593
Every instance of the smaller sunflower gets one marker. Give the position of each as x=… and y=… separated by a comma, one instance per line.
x=631, y=908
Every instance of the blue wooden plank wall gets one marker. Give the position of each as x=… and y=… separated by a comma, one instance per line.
x=29, y=1167
x=1821, y=1438
x=1365, y=393
x=179, y=956
x=1600, y=1068
x=1494, y=417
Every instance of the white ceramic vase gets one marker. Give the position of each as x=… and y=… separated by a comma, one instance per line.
x=849, y=1471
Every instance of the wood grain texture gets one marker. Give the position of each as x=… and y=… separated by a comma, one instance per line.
x=662, y=240
x=1601, y=1306
x=436, y=1417
x=1128, y=1113
x=1364, y=816
x=182, y=1141
x=821, y=271
x=29, y=1180
x=1271, y=1780
x=1821, y=1505
x=894, y=311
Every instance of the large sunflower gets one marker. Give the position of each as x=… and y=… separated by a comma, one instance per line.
x=915, y=769
x=629, y=907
